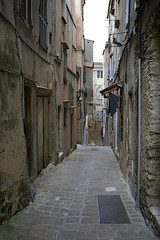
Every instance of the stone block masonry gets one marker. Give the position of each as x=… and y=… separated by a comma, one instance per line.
x=151, y=123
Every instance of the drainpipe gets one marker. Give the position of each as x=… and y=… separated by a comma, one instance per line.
x=139, y=118
x=139, y=135
x=95, y=116
x=116, y=120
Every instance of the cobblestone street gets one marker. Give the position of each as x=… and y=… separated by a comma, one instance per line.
x=66, y=203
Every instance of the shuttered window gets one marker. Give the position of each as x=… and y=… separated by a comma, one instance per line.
x=64, y=66
x=43, y=23
x=26, y=9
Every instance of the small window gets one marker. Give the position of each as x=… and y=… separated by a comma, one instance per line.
x=111, y=67
x=63, y=10
x=65, y=117
x=26, y=11
x=100, y=116
x=43, y=23
x=127, y=14
x=99, y=74
x=98, y=94
x=64, y=66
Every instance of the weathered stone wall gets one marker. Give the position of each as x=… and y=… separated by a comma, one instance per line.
x=14, y=184
x=144, y=44
x=150, y=155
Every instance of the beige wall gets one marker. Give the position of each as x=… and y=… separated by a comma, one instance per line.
x=141, y=42
x=33, y=98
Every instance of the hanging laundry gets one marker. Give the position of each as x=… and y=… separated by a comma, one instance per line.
x=113, y=103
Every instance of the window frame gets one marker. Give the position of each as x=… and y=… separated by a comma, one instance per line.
x=26, y=13
x=64, y=11
x=64, y=66
x=98, y=94
x=43, y=23
x=99, y=74
x=127, y=13
x=65, y=117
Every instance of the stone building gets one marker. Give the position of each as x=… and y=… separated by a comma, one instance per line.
x=65, y=77
x=94, y=100
x=132, y=53
x=38, y=93
x=89, y=91
x=80, y=71
x=98, y=84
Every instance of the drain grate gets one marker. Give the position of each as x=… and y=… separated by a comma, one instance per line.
x=94, y=149
x=112, y=210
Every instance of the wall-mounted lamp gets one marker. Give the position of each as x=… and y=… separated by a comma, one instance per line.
x=120, y=84
x=117, y=43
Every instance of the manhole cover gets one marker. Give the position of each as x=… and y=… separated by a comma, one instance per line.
x=94, y=149
x=112, y=210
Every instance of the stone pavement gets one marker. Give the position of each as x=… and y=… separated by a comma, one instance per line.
x=66, y=203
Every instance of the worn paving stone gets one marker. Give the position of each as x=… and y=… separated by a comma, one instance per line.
x=90, y=220
x=66, y=203
x=72, y=220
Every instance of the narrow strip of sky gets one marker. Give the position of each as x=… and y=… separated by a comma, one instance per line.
x=95, y=13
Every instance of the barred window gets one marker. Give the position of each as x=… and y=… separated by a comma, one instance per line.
x=43, y=23
x=26, y=10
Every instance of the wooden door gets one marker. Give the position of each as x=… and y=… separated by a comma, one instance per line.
x=40, y=138
x=42, y=133
x=28, y=126
x=45, y=133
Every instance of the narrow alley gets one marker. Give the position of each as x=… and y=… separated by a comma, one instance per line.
x=66, y=205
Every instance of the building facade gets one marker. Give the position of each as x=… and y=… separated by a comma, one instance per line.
x=98, y=85
x=38, y=93
x=132, y=58
x=89, y=89
x=80, y=71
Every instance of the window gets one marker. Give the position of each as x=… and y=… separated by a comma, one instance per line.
x=64, y=66
x=99, y=74
x=63, y=10
x=99, y=116
x=98, y=94
x=43, y=23
x=26, y=11
x=111, y=68
x=65, y=117
x=127, y=14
